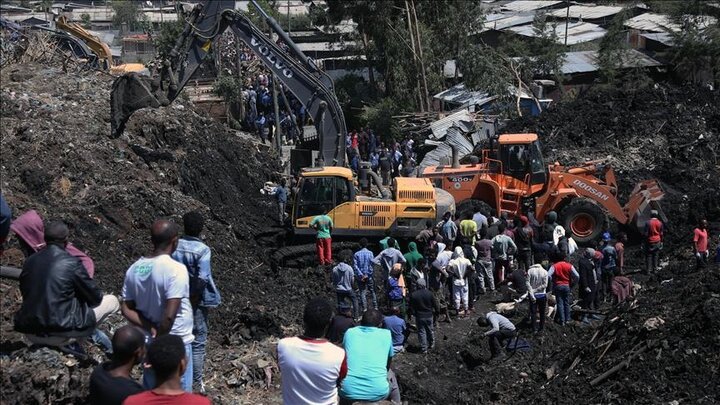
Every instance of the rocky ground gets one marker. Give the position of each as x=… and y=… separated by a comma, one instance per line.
x=59, y=160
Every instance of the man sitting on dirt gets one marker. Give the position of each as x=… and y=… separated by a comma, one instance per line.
x=363, y=267
x=342, y=278
x=195, y=255
x=398, y=329
x=156, y=296
x=111, y=383
x=311, y=367
x=369, y=354
x=323, y=224
x=424, y=306
x=501, y=331
x=169, y=360
x=341, y=322
x=60, y=302
x=30, y=230
x=654, y=234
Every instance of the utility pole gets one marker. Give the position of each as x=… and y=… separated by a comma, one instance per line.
x=278, y=132
x=412, y=32
x=426, y=92
x=567, y=20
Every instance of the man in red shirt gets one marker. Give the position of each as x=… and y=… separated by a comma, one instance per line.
x=700, y=244
x=654, y=234
x=563, y=276
x=167, y=357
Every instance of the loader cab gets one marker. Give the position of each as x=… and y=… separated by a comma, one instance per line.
x=322, y=189
x=521, y=157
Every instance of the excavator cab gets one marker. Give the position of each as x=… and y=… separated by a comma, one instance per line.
x=522, y=159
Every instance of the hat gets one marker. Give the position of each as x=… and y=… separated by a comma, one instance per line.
x=524, y=220
x=653, y=213
x=606, y=236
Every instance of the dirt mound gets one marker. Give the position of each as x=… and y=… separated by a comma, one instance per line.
x=59, y=160
x=665, y=132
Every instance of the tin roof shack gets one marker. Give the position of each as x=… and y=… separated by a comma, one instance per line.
x=137, y=48
x=653, y=32
x=599, y=15
x=581, y=70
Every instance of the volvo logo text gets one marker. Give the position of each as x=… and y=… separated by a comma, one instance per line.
x=271, y=57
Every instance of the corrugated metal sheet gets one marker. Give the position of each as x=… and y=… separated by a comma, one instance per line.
x=443, y=152
x=577, y=32
x=526, y=5
x=586, y=61
x=586, y=12
x=463, y=119
x=505, y=20
x=652, y=22
x=662, y=37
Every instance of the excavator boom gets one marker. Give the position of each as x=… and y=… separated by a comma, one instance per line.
x=296, y=71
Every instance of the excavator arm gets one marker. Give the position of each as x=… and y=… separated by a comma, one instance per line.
x=296, y=71
x=99, y=47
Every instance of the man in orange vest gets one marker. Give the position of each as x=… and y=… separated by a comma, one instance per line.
x=654, y=234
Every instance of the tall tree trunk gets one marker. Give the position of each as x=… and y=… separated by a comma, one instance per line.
x=426, y=92
x=421, y=104
x=368, y=60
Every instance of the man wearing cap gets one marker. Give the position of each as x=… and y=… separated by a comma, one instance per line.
x=654, y=235
x=424, y=304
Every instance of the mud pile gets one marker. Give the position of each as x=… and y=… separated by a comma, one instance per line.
x=59, y=160
x=666, y=132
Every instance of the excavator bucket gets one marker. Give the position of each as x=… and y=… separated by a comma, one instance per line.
x=131, y=92
x=645, y=198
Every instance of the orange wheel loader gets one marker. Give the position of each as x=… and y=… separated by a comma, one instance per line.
x=512, y=177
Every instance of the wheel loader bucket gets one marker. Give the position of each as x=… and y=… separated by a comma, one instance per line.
x=645, y=198
x=130, y=92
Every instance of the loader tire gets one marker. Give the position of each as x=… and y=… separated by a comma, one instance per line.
x=585, y=219
x=469, y=206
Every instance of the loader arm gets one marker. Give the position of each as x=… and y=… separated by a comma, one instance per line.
x=100, y=48
x=296, y=71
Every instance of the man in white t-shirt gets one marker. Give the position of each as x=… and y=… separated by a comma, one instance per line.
x=156, y=295
x=311, y=367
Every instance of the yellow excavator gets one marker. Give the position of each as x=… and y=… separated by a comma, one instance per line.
x=99, y=48
x=401, y=211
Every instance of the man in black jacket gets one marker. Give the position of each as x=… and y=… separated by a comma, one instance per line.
x=423, y=304
x=60, y=300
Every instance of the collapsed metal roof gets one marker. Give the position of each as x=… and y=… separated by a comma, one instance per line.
x=443, y=152
x=462, y=119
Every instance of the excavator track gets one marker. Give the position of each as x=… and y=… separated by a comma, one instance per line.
x=300, y=256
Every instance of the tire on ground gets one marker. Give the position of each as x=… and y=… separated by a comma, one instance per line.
x=585, y=219
x=470, y=206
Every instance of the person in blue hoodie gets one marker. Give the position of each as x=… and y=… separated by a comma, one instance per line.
x=195, y=255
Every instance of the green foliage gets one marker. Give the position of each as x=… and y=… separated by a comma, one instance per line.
x=85, y=20
x=258, y=19
x=228, y=87
x=126, y=11
x=165, y=39
x=613, y=47
x=488, y=70
x=379, y=117
x=353, y=93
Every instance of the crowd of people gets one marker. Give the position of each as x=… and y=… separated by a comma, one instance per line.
x=346, y=350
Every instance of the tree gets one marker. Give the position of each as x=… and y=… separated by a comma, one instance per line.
x=85, y=20
x=125, y=12
x=613, y=48
x=165, y=39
